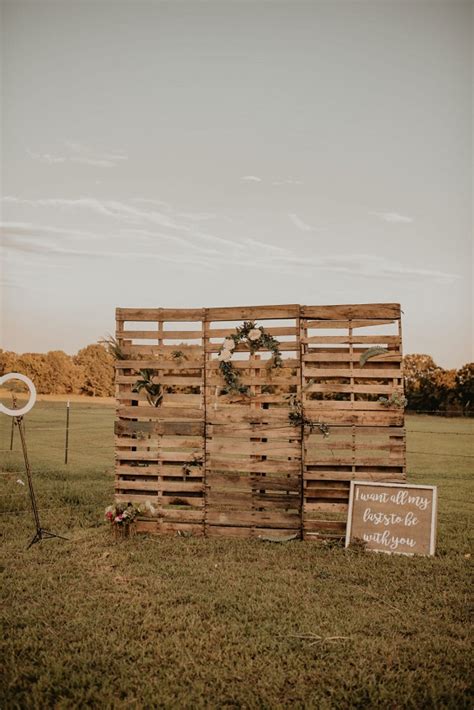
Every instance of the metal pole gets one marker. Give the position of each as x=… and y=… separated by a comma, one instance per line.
x=40, y=533
x=19, y=421
x=66, y=446
x=13, y=422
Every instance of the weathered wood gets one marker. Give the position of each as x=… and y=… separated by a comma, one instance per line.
x=242, y=313
x=159, y=314
x=383, y=311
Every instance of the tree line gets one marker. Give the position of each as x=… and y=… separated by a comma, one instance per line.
x=428, y=387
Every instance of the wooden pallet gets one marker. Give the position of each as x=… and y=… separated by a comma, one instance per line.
x=220, y=464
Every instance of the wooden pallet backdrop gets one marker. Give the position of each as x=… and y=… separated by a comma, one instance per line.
x=224, y=464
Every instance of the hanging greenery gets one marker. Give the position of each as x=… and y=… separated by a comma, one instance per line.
x=112, y=346
x=187, y=467
x=297, y=418
x=178, y=356
x=154, y=391
x=255, y=339
x=371, y=352
x=395, y=400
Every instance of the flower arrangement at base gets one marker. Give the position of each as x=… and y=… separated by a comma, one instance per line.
x=255, y=338
x=122, y=515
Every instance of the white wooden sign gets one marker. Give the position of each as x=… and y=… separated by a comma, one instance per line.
x=392, y=517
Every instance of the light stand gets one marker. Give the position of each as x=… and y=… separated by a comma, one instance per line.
x=41, y=533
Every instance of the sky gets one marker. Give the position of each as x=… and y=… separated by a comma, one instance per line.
x=201, y=154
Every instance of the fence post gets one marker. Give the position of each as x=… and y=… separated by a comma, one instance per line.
x=13, y=422
x=66, y=446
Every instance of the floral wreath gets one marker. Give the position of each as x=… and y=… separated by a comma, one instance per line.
x=255, y=338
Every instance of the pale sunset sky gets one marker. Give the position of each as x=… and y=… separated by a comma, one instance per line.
x=190, y=154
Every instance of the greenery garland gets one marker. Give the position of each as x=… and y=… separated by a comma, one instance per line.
x=395, y=400
x=255, y=338
x=154, y=391
x=297, y=418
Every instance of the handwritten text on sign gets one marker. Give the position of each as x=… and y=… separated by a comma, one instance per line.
x=393, y=518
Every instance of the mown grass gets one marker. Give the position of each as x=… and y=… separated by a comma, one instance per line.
x=196, y=623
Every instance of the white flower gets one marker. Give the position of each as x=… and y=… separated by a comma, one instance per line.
x=229, y=344
x=20, y=482
x=224, y=356
x=254, y=334
x=150, y=508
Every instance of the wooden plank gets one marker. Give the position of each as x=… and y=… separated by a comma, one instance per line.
x=357, y=389
x=235, y=481
x=321, y=507
x=358, y=311
x=160, y=334
x=287, y=363
x=157, y=455
x=362, y=323
x=186, y=380
x=360, y=417
x=258, y=313
x=345, y=356
x=223, y=415
x=265, y=378
x=392, y=340
x=191, y=364
x=216, y=463
x=256, y=448
x=163, y=413
x=258, y=519
x=275, y=331
x=159, y=314
x=124, y=427
x=376, y=476
x=358, y=373
x=280, y=433
x=232, y=500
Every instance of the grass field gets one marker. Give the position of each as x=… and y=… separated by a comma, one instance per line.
x=197, y=623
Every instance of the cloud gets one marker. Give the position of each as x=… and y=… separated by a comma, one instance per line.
x=251, y=178
x=73, y=152
x=299, y=222
x=126, y=213
x=287, y=181
x=46, y=157
x=138, y=229
x=393, y=217
x=25, y=245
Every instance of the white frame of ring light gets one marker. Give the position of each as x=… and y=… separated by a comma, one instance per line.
x=32, y=400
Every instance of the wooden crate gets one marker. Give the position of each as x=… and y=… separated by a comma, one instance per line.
x=215, y=463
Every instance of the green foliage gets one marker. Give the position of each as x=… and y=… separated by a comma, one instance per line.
x=255, y=339
x=465, y=385
x=371, y=352
x=196, y=462
x=179, y=356
x=113, y=347
x=297, y=418
x=429, y=387
x=395, y=400
x=154, y=391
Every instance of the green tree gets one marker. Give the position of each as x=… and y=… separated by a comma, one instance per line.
x=428, y=387
x=465, y=385
x=62, y=375
x=7, y=362
x=98, y=371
